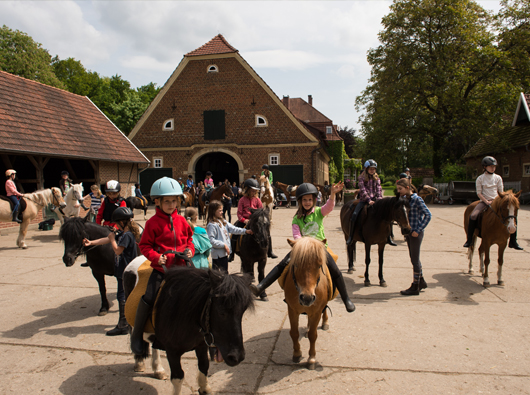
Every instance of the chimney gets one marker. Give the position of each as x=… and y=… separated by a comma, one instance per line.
x=310, y=99
x=285, y=101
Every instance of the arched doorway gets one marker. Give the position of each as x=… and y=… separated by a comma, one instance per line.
x=222, y=166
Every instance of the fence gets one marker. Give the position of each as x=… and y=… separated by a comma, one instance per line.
x=443, y=187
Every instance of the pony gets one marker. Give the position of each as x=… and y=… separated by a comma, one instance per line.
x=498, y=222
x=99, y=258
x=135, y=203
x=74, y=200
x=427, y=193
x=214, y=194
x=307, y=291
x=254, y=247
x=267, y=194
x=339, y=196
x=189, y=198
x=325, y=190
x=35, y=202
x=373, y=227
x=288, y=190
x=195, y=308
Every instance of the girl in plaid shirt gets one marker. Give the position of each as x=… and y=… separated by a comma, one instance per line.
x=419, y=217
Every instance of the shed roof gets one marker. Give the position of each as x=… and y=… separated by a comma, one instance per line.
x=507, y=138
x=43, y=120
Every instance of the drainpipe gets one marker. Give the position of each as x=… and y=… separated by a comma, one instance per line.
x=313, y=162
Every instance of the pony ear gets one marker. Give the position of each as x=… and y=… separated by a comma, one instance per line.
x=324, y=241
x=216, y=278
x=518, y=194
x=501, y=194
x=291, y=242
x=253, y=210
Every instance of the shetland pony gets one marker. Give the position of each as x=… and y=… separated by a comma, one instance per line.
x=499, y=221
x=73, y=200
x=135, y=203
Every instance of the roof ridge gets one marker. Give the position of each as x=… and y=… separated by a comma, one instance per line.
x=217, y=45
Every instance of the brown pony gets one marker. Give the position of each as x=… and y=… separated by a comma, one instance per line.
x=373, y=227
x=339, y=196
x=35, y=202
x=498, y=222
x=307, y=291
x=325, y=190
x=215, y=194
x=427, y=193
x=285, y=189
x=189, y=198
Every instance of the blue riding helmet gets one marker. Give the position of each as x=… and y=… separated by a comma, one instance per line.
x=165, y=186
x=370, y=163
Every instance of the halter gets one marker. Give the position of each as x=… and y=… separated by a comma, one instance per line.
x=205, y=321
x=502, y=218
x=296, y=282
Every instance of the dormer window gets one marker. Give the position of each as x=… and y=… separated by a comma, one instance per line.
x=261, y=121
x=168, y=125
x=212, y=69
x=329, y=129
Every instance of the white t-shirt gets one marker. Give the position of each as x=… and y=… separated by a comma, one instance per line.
x=489, y=185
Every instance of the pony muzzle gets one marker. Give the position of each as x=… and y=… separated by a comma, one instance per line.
x=306, y=299
x=68, y=260
x=234, y=357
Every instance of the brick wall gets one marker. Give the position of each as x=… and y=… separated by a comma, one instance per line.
x=12, y=227
x=120, y=172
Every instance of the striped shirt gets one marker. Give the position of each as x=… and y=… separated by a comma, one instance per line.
x=95, y=202
x=419, y=214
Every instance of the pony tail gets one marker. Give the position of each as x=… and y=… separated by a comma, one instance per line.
x=135, y=230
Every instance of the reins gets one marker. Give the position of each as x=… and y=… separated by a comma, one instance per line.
x=204, y=324
x=502, y=218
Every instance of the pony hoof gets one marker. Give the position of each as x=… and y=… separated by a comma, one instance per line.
x=383, y=284
x=297, y=359
x=264, y=298
x=367, y=283
x=139, y=367
x=351, y=270
x=471, y=272
x=311, y=365
x=325, y=327
x=501, y=283
x=161, y=375
x=486, y=285
x=102, y=312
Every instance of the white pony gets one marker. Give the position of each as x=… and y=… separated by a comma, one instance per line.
x=73, y=200
x=267, y=194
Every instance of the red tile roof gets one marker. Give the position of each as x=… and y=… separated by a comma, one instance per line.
x=39, y=119
x=305, y=111
x=216, y=45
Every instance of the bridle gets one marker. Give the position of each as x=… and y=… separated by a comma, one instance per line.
x=296, y=282
x=204, y=324
x=502, y=218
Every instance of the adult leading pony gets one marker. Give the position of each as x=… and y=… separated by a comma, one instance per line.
x=99, y=258
x=373, y=227
x=194, y=309
x=498, y=222
x=254, y=247
x=288, y=190
x=307, y=291
x=35, y=202
x=74, y=200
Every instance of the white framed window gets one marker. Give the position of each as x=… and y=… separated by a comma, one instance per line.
x=261, y=120
x=526, y=169
x=158, y=162
x=329, y=130
x=274, y=159
x=212, y=69
x=169, y=124
x=506, y=171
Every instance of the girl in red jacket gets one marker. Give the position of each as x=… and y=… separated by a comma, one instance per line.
x=110, y=203
x=166, y=230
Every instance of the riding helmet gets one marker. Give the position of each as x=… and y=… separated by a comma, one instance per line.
x=489, y=161
x=9, y=172
x=370, y=163
x=403, y=175
x=265, y=167
x=208, y=173
x=251, y=183
x=407, y=169
x=306, y=189
x=112, y=186
x=122, y=214
x=165, y=186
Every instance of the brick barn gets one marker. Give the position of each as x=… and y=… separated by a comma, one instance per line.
x=215, y=113
x=510, y=146
x=45, y=130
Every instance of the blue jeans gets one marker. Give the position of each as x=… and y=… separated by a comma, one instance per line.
x=15, y=201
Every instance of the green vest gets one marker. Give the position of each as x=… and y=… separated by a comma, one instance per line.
x=312, y=225
x=270, y=175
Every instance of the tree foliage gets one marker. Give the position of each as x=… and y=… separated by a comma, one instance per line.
x=22, y=56
x=443, y=74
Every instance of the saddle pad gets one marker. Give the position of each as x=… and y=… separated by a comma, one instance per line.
x=21, y=206
x=141, y=200
x=331, y=295
x=131, y=305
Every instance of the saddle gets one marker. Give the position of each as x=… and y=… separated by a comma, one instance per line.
x=142, y=202
x=332, y=291
x=131, y=305
x=206, y=196
x=291, y=188
x=21, y=205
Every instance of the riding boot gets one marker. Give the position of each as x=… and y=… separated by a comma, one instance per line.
x=271, y=254
x=142, y=314
x=423, y=284
x=471, y=226
x=390, y=242
x=413, y=290
x=15, y=216
x=273, y=275
x=513, y=242
x=352, y=228
x=339, y=284
x=123, y=327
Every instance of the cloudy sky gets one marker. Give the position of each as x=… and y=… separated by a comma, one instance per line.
x=299, y=48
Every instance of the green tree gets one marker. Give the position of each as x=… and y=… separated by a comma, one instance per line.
x=348, y=135
x=128, y=112
x=76, y=78
x=440, y=78
x=22, y=56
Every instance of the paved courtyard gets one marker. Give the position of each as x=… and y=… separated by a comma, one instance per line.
x=455, y=338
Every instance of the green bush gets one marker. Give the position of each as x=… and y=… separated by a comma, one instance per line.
x=453, y=172
x=388, y=184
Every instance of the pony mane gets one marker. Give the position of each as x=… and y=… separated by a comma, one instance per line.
x=308, y=253
x=73, y=231
x=507, y=198
x=42, y=196
x=383, y=207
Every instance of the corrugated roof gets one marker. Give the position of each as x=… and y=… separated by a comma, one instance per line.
x=507, y=138
x=217, y=45
x=40, y=119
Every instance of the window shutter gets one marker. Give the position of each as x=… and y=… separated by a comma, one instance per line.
x=214, y=125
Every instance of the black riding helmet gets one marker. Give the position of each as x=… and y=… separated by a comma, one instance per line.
x=403, y=175
x=306, y=189
x=251, y=183
x=265, y=167
x=489, y=161
x=122, y=214
x=65, y=173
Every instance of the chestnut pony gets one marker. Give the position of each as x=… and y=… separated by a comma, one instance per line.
x=307, y=291
x=498, y=222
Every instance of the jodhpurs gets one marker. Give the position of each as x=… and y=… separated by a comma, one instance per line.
x=153, y=285
x=414, y=244
x=479, y=207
